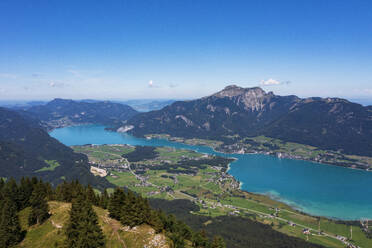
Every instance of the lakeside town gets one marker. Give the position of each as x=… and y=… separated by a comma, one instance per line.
x=169, y=173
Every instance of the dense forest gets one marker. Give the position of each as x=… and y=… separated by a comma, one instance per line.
x=83, y=229
x=141, y=153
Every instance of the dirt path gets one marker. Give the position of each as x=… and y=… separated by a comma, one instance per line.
x=115, y=227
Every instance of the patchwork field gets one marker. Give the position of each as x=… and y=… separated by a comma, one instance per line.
x=168, y=173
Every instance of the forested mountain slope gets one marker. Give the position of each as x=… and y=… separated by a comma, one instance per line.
x=327, y=123
x=26, y=149
x=62, y=112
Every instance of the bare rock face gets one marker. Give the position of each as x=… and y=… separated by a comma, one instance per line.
x=230, y=91
x=253, y=99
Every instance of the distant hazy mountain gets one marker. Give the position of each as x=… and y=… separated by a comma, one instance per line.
x=61, y=112
x=20, y=104
x=146, y=105
x=328, y=123
x=363, y=101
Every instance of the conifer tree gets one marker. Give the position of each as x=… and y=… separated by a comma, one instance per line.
x=10, y=229
x=218, y=242
x=116, y=203
x=177, y=240
x=25, y=191
x=2, y=183
x=104, y=199
x=91, y=234
x=200, y=240
x=155, y=221
x=10, y=191
x=91, y=196
x=83, y=229
x=39, y=206
x=73, y=227
x=50, y=194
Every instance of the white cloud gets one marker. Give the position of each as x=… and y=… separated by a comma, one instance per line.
x=172, y=85
x=151, y=84
x=55, y=84
x=271, y=82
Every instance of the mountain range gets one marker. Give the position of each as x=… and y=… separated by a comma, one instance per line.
x=326, y=123
x=145, y=105
x=62, y=112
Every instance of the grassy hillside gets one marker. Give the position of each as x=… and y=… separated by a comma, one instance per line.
x=53, y=230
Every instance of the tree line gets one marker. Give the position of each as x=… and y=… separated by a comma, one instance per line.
x=15, y=197
x=83, y=229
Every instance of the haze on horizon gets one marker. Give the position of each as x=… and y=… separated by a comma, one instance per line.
x=184, y=49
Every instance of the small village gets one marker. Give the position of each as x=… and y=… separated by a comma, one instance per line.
x=161, y=177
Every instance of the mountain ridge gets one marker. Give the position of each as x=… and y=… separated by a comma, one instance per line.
x=26, y=149
x=327, y=123
x=66, y=112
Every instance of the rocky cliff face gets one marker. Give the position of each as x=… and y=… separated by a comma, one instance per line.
x=328, y=123
x=251, y=99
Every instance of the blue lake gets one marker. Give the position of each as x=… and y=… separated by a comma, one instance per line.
x=317, y=189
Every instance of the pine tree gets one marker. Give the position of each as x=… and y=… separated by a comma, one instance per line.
x=116, y=203
x=83, y=229
x=10, y=229
x=25, y=191
x=10, y=191
x=200, y=240
x=39, y=206
x=2, y=183
x=104, y=199
x=90, y=232
x=50, y=194
x=73, y=227
x=156, y=221
x=177, y=240
x=218, y=242
x=91, y=196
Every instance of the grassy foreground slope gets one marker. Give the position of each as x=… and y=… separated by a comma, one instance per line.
x=117, y=236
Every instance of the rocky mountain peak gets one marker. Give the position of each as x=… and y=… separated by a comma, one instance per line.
x=253, y=99
x=234, y=90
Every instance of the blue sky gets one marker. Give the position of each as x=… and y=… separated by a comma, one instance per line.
x=184, y=49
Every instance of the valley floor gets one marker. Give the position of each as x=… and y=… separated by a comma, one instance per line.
x=168, y=173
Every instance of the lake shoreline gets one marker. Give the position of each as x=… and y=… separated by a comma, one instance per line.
x=268, y=153
x=208, y=149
